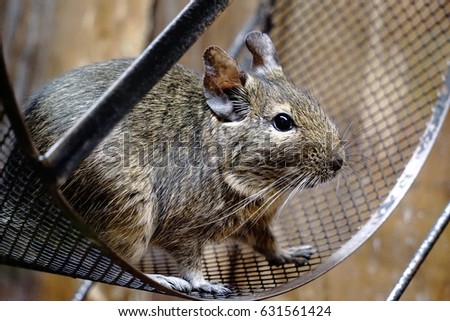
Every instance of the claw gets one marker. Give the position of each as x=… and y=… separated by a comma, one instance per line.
x=297, y=255
x=304, y=251
x=213, y=289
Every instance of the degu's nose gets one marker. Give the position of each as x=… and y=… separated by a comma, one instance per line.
x=336, y=162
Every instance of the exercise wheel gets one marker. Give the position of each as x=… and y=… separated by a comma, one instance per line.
x=378, y=69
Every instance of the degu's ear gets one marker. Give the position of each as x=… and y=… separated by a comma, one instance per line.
x=222, y=77
x=264, y=54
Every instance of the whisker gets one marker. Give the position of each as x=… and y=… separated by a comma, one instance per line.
x=267, y=203
x=235, y=208
x=298, y=187
x=338, y=181
x=347, y=129
x=348, y=172
x=264, y=207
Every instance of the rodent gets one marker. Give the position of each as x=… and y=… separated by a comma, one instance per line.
x=199, y=159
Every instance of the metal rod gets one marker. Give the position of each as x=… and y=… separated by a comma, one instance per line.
x=76, y=144
x=258, y=20
x=421, y=254
x=83, y=290
x=12, y=110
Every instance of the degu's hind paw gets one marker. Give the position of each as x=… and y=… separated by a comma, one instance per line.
x=298, y=255
x=181, y=285
x=172, y=282
x=208, y=287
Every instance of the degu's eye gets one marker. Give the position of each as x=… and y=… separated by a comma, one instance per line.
x=283, y=122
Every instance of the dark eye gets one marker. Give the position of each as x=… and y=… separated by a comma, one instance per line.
x=283, y=122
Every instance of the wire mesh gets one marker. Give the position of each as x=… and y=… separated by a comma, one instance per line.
x=35, y=233
x=376, y=68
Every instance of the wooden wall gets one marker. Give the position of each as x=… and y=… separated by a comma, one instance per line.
x=44, y=38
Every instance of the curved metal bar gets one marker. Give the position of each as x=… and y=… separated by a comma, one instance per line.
x=421, y=254
x=75, y=145
x=83, y=290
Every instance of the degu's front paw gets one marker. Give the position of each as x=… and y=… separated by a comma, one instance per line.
x=298, y=255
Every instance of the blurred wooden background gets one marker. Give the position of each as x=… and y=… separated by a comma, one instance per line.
x=44, y=38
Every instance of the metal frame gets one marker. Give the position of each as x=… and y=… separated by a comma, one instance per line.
x=421, y=254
